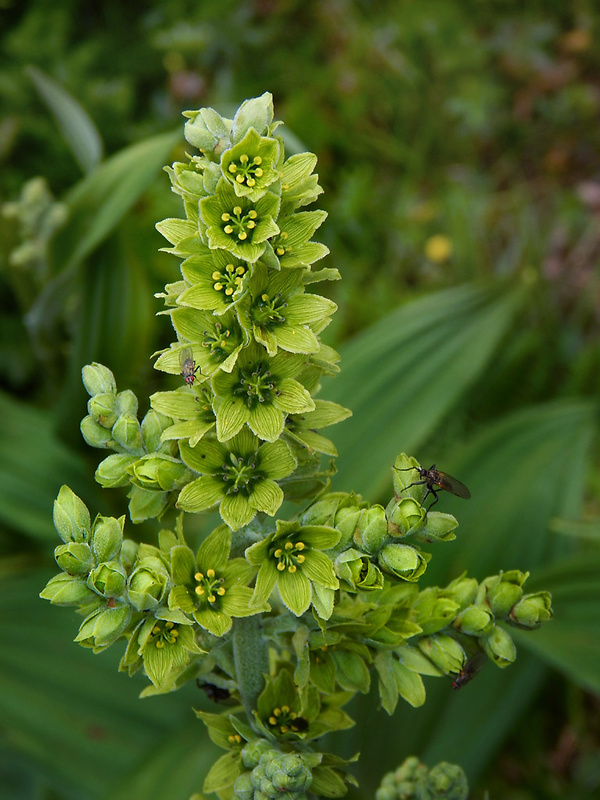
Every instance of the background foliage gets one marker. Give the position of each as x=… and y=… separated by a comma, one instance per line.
x=460, y=155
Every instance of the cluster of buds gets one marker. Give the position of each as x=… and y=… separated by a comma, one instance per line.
x=412, y=780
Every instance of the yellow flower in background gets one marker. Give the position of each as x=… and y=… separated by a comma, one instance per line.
x=438, y=248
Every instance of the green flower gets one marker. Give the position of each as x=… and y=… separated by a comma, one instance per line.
x=217, y=279
x=292, y=246
x=291, y=558
x=237, y=224
x=239, y=475
x=163, y=644
x=299, y=186
x=282, y=314
x=260, y=392
x=250, y=166
x=212, y=588
x=214, y=343
x=190, y=407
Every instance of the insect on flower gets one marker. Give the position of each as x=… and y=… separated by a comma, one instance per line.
x=469, y=670
x=431, y=478
x=188, y=365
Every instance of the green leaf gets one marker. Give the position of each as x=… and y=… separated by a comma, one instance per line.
x=223, y=772
x=77, y=128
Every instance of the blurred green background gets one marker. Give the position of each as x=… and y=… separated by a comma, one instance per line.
x=459, y=150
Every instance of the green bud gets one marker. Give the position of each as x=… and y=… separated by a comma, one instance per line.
x=502, y=591
x=346, y=522
x=71, y=517
x=112, y=471
x=102, y=408
x=358, y=571
x=148, y=584
x=463, y=590
x=107, y=538
x=243, y=788
x=371, y=532
x=433, y=610
x=252, y=752
x=153, y=425
x=401, y=783
x=158, y=472
x=288, y=773
x=129, y=551
x=324, y=510
x=108, y=579
x=444, y=652
x=207, y=131
x=476, y=620
x=444, y=782
x=533, y=610
x=127, y=403
x=404, y=561
x=406, y=515
x=439, y=527
x=94, y=434
x=98, y=379
x=127, y=433
x=74, y=558
x=103, y=626
x=499, y=647
x=257, y=113
x=67, y=590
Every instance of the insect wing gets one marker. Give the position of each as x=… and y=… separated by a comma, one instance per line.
x=452, y=485
x=188, y=365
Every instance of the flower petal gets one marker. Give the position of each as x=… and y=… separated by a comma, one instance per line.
x=266, y=421
x=217, y=622
x=318, y=568
x=231, y=417
x=293, y=397
x=276, y=460
x=265, y=583
x=213, y=553
x=266, y=496
x=200, y=494
x=295, y=591
x=236, y=511
x=205, y=457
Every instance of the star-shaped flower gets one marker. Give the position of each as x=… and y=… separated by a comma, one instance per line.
x=240, y=475
x=217, y=280
x=211, y=587
x=237, y=224
x=292, y=559
x=260, y=392
x=250, y=166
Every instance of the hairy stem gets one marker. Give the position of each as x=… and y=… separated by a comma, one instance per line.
x=251, y=660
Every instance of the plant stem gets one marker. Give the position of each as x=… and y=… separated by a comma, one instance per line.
x=251, y=661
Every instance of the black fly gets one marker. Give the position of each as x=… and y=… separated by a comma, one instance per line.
x=432, y=478
x=188, y=365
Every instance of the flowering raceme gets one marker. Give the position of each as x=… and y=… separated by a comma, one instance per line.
x=284, y=619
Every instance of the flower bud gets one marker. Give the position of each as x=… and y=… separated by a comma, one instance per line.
x=252, y=752
x=404, y=561
x=243, y=788
x=502, y=591
x=127, y=433
x=444, y=652
x=67, y=590
x=129, y=551
x=499, y=647
x=108, y=579
x=358, y=571
x=401, y=783
x=371, y=532
x=405, y=517
x=153, y=425
x=533, y=610
x=112, y=471
x=207, y=131
x=107, y=538
x=439, y=527
x=475, y=620
x=94, y=434
x=255, y=113
x=346, y=521
x=444, y=782
x=288, y=773
x=71, y=517
x=102, y=408
x=324, y=510
x=463, y=590
x=127, y=403
x=98, y=379
x=103, y=626
x=433, y=610
x=158, y=472
x=74, y=558
x=148, y=584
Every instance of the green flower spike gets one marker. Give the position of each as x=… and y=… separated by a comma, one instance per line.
x=212, y=588
x=291, y=558
x=260, y=392
x=282, y=314
x=217, y=280
x=250, y=166
x=237, y=224
x=239, y=475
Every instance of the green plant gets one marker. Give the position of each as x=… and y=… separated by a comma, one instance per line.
x=285, y=619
